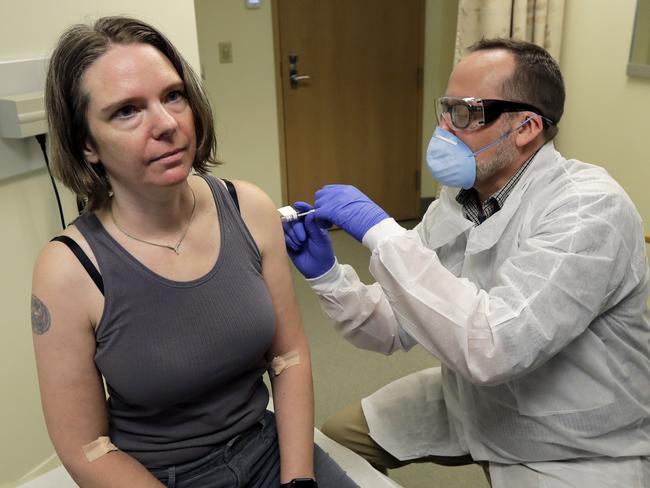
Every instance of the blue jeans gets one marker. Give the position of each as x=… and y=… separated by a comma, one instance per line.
x=250, y=459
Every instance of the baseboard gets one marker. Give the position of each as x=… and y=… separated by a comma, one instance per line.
x=55, y=478
x=49, y=473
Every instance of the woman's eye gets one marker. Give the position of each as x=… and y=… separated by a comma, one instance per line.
x=125, y=112
x=175, y=96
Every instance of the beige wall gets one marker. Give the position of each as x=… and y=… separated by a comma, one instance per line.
x=29, y=216
x=606, y=120
x=242, y=92
x=641, y=47
x=440, y=38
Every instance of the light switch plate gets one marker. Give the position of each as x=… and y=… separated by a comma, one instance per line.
x=225, y=52
x=253, y=3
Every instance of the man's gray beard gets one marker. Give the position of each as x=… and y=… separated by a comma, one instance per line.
x=505, y=154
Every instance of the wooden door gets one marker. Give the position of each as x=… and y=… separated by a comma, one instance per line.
x=357, y=118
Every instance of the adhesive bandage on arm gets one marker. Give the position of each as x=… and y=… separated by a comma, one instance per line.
x=280, y=363
x=97, y=448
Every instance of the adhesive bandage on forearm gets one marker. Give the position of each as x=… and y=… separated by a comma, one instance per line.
x=98, y=448
x=280, y=363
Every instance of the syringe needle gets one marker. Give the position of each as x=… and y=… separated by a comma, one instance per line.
x=306, y=213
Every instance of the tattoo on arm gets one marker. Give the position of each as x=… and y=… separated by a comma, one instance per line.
x=40, y=316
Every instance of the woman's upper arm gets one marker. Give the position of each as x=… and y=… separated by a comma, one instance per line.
x=72, y=391
x=263, y=221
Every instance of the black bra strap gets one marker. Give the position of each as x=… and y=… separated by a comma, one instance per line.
x=83, y=259
x=232, y=191
x=90, y=267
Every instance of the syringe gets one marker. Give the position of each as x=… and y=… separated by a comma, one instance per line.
x=289, y=214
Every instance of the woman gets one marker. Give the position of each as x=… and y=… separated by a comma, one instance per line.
x=193, y=297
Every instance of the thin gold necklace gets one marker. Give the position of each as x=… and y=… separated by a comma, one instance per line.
x=165, y=246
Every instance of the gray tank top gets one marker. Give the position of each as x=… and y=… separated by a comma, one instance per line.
x=183, y=361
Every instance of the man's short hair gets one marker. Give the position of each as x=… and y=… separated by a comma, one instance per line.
x=536, y=80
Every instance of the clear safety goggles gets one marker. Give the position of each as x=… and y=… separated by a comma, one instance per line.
x=472, y=113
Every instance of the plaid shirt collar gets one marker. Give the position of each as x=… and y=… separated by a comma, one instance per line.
x=472, y=207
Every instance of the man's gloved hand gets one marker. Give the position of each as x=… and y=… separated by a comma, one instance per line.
x=308, y=243
x=347, y=207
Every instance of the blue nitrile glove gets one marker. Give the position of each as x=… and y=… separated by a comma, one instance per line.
x=347, y=207
x=308, y=243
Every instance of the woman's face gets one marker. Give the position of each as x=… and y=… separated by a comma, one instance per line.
x=140, y=121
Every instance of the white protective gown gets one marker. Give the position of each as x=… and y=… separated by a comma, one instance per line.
x=539, y=317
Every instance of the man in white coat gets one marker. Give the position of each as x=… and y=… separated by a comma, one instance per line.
x=527, y=279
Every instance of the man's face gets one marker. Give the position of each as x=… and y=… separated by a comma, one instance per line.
x=481, y=75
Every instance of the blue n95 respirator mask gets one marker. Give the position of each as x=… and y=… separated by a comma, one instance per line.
x=452, y=162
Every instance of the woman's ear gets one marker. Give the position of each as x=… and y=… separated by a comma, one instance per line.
x=90, y=153
x=529, y=131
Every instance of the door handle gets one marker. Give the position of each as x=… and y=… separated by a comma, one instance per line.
x=294, y=77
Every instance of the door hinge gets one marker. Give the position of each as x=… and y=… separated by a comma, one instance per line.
x=417, y=180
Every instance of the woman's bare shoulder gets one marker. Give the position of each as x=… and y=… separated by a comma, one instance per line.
x=258, y=212
x=60, y=279
x=58, y=256
x=254, y=201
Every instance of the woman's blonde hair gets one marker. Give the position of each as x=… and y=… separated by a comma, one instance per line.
x=78, y=48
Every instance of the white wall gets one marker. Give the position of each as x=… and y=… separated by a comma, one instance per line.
x=29, y=216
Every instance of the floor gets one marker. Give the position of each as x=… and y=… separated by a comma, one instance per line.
x=343, y=373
